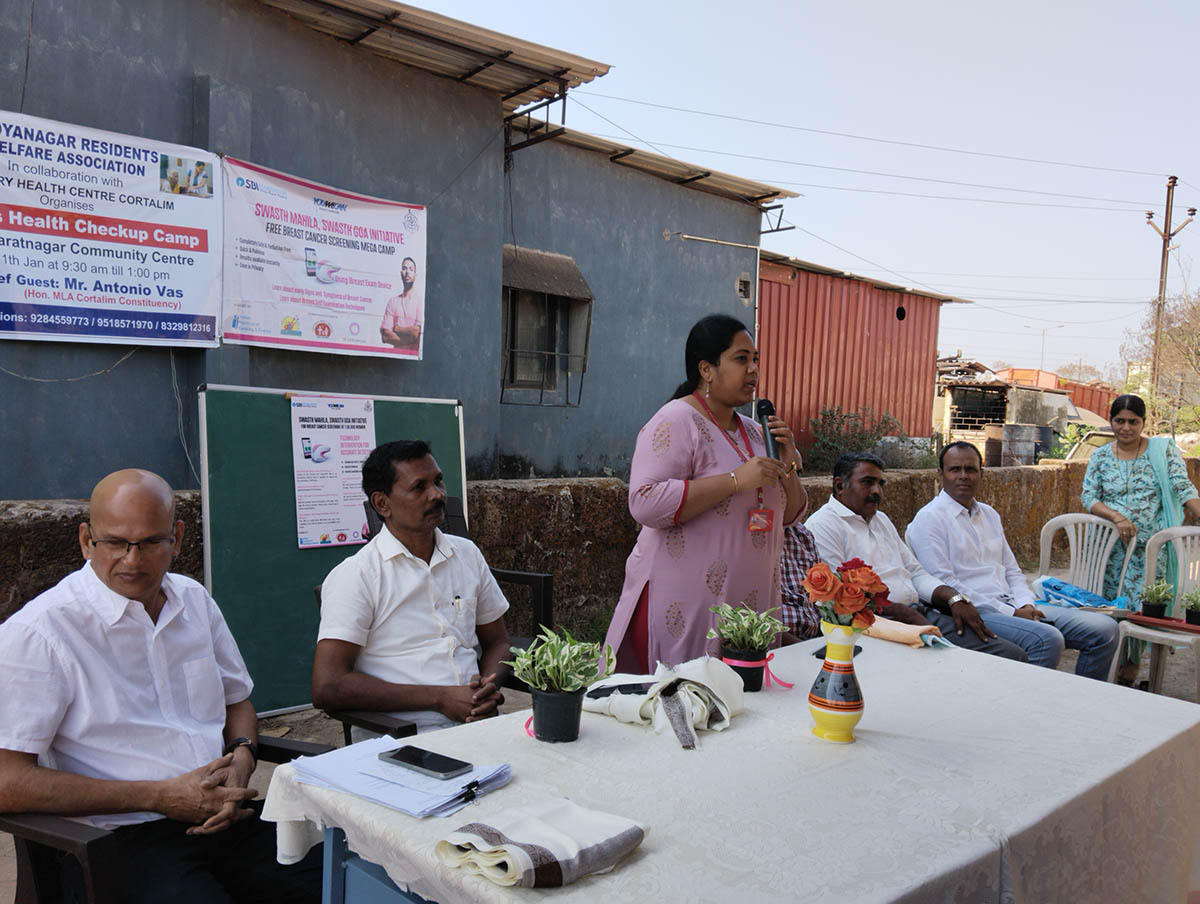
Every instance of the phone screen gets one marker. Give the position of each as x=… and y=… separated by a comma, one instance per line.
x=426, y=761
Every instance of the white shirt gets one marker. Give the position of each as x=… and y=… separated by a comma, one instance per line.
x=93, y=687
x=414, y=621
x=966, y=548
x=842, y=535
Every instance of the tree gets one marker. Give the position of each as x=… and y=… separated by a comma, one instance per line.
x=1080, y=372
x=1175, y=402
x=1001, y=365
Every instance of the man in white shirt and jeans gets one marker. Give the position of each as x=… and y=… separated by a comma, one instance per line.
x=124, y=702
x=850, y=525
x=412, y=624
x=961, y=540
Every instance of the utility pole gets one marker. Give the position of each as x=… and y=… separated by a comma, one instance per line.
x=1166, y=235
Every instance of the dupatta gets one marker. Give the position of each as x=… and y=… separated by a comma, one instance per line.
x=1172, y=508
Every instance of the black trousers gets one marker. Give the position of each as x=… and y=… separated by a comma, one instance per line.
x=159, y=862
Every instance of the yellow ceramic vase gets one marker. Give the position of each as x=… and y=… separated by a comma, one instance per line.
x=835, y=700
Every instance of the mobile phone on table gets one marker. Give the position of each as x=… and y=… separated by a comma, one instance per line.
x=425, y=761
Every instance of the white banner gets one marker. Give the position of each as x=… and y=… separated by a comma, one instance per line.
x=331, y=438
x=314, y=268
x=106, y=237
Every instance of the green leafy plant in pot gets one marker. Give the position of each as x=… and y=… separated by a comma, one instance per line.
x=558, y=669
x=745, y=636
x=1156, y=598
x=1191, y=606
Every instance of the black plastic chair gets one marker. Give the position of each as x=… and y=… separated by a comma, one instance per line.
x=39, y=837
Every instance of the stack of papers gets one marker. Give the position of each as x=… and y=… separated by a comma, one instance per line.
x=358, y=770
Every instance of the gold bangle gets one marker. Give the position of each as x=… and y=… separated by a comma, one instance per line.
x=792, y=470
x=735, y=485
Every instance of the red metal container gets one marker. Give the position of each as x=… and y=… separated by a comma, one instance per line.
x=826, y=339
x=1090, y=396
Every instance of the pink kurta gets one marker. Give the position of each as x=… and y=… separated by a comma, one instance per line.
x=710, y=559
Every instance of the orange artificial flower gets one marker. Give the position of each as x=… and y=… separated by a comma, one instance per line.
x=850, y=598
x=821, y=583
x=863, y=619
x=866, y=578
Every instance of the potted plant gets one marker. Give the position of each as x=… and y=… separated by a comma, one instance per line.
x=745, y=637
x=1156, y=598
x=558, y=669
x=1191, y=606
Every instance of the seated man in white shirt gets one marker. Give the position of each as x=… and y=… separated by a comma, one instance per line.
x=960, y=539
x=401, y=619
x=850, y=525
x=124, y=700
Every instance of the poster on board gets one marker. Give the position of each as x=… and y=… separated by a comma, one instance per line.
x=106, y=237
x=314, y=268
x=331, y=438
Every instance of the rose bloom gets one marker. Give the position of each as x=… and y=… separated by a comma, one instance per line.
x=821, y=583
x=850, y=598
x=851, y=565
x=863, y=619
x=866, y=578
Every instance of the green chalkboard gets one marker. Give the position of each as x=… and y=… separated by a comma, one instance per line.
x=252, y=564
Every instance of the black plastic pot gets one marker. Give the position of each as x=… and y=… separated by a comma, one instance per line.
x=1154, y=610
x=752, y=678
x=1192, y=616
x=556, y=714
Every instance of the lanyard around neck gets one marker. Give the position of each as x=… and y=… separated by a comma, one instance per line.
x=741, y=427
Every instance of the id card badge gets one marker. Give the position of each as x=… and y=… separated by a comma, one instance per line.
x=761, y=520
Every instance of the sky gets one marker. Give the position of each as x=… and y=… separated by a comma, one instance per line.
x=1097, y=99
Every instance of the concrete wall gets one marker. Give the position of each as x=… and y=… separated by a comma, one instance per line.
x=577, y=529
x=648, y=293
x=235, y=76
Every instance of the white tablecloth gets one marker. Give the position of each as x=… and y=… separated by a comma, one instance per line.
x=974, y=779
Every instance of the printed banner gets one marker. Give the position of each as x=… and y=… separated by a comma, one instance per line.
x=106, y=237
x=314, y=268
x=331, y=438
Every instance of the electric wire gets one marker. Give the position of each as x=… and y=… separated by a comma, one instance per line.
x=97, y=373
x=891, y=141
x=846, y=169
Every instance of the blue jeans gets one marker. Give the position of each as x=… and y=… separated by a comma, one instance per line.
x=1092, y=634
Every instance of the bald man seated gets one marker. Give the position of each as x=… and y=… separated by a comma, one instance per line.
x=124, y=702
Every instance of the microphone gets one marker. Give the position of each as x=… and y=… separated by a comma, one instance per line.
x=763, y=409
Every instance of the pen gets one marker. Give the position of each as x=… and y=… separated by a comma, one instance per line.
x=458, y=603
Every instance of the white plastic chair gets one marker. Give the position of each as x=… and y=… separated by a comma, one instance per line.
x=1091, y=540
x=1186, y=541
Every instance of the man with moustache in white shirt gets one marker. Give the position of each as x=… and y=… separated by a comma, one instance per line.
x=960, y=540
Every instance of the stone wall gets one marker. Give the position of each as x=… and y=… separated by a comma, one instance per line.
x=578, y=529
x=39, y=545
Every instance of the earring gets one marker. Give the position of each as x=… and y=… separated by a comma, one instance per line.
x=707, y=388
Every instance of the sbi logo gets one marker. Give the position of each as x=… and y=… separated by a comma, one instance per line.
x=240, y=181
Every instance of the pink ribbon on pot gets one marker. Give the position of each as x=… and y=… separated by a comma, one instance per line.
x=528, y=730
x=766, y=669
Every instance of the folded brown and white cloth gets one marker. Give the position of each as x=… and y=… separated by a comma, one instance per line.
x=542, y=845
x=701, y=693
x=898, y=632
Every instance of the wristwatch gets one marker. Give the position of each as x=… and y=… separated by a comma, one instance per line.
x=242, y=742
x=957, y=598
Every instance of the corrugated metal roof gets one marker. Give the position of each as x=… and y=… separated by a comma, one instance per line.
x=878, y=283
x=544, y=271
x=677, y=171
x=519, y=71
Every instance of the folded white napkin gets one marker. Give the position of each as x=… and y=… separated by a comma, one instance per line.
x=544, y=845
x=702, y=693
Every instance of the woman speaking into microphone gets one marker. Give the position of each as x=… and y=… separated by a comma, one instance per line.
x=712, y=506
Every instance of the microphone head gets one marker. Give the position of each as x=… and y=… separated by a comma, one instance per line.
x=764, y=408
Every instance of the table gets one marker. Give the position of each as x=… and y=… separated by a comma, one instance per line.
x=973, y=779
